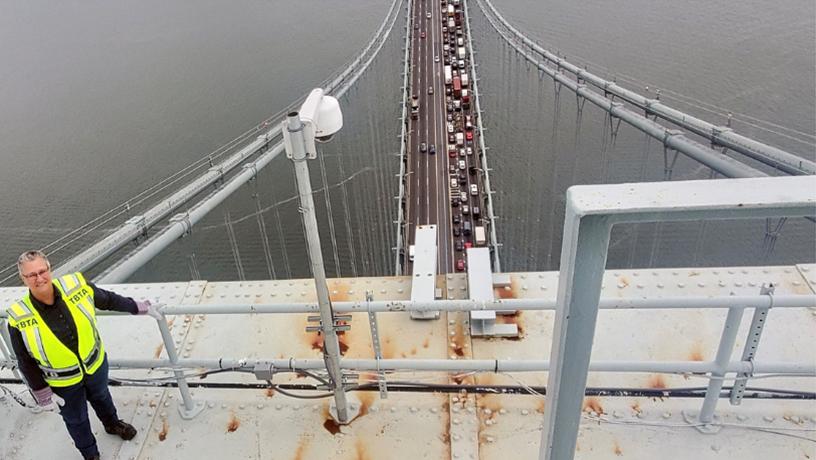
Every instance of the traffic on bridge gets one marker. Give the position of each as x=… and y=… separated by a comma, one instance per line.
x=443, y=186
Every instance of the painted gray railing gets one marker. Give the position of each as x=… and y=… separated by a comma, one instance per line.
x=592, y=211
x=399, y=250
x=494, y=241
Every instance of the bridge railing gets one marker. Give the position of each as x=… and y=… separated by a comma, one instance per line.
x=180, y=224
x=399, y=249
x=494, y=241
x=591, y=213
x=718, y=135
x=672, y=139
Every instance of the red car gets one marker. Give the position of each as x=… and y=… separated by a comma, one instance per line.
x=469, y=135
x=422, y=34
x=468, y=244
x=460, y=265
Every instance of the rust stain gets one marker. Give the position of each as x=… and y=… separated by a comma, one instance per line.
x=388, y=348
x=446, y=423
x=540, y=406
x=426, y=342
x=507, y=292
x=657, y=381
x=270, y=392
x=623, y=281
x=331, y=426
x=158, y=351
x=164, y=430
x=696, y=353
x=233, y=423
x=459, y=340
x=368, y=377
x=593, y=404
x=616, y=448
x=301, y=449
x=636, y=407
x=366, y=400
x=329, y=423
x=171, y=321
x=413, y=351
x=504, y=293
x=516, y=318
x=693, y=274
x=361, y=451
x=488, y=401
x=342, y=291
x=316, y=341
x=152, y=403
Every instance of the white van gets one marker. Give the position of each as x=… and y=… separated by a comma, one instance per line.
x=411, y=252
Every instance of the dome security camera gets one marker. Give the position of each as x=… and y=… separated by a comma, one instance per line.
x=320, y=117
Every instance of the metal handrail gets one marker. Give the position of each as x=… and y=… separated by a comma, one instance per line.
x=592, y=211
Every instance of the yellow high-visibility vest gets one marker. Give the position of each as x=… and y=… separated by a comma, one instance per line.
x=60, y=366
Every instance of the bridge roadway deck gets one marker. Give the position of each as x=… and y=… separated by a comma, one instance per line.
x=260, y=424
x=430, y=192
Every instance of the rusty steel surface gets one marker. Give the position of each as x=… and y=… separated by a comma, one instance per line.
x=265, y=424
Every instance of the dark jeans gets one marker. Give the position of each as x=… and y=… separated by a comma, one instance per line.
x=93, y=389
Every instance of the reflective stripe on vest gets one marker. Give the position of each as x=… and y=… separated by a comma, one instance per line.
x=61, y=366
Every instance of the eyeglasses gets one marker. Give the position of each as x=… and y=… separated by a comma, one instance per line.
x=35, y=275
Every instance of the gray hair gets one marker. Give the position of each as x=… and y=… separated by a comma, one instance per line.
x=29, y=256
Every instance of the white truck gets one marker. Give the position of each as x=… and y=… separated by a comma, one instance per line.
x=460, y=52
x=464, y=80
x=460, y=138
x=479, y=235
x=448, y=75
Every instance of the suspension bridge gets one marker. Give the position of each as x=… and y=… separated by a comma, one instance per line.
x=464, y=375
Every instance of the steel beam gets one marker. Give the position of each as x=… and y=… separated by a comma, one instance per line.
x=591, y=212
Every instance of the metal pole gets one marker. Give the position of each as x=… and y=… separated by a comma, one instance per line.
x=800, y=369
x=331, y=344
x=583, y=258
x=715, y=383
x=758, y=322
x=465, y=305
x=190, y=408
x=5, y=346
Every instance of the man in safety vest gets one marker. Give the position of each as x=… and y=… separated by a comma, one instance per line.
x=59, y=351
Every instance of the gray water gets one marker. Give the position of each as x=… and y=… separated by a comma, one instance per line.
x=99, y=101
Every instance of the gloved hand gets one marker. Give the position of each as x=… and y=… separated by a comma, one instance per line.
x=142, y=307
x=47, y=400
x=145, y=307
